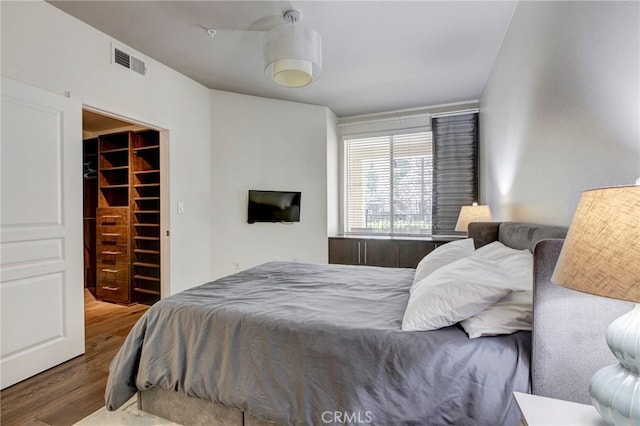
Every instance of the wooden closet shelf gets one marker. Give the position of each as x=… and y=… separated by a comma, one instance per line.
x=146, y=278
x=145, y=290
x=128, y=236
x=146, y=251
x=111, y=169
x=114, y=186
x=146, y=265
x=145, y=148
x=111, y=151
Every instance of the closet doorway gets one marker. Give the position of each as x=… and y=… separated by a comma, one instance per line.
x=122, y=210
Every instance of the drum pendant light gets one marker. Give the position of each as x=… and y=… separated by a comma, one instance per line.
x=292, y=53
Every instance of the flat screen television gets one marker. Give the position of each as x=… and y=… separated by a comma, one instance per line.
x=273, y=206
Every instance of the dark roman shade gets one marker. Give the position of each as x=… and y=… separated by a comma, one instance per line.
x=455, y=168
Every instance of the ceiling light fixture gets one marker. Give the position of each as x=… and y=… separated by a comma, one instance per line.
x=292, y=52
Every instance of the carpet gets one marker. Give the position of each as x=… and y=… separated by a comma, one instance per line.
x=127, y=415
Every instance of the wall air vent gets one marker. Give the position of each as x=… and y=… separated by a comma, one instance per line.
x=138, y=66
x=122, y=58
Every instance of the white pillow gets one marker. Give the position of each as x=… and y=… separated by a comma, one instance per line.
x=519, y=267
x=496, y=251
x=517, y=264
x=454, y=293
x=441, y=256
x=511, y=314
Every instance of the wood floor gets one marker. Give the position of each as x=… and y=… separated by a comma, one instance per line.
x=69, y=392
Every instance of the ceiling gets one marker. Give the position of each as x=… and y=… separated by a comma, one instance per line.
x=377, y=55
x=92, y=122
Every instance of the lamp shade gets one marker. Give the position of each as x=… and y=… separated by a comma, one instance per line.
x=601, y=253
x=473, y=213
x=292, y=55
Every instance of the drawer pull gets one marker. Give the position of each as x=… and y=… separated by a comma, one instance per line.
x=111, y=288
x=114, y=253
x=104, y=234
x=112, y=271
x=111, y=216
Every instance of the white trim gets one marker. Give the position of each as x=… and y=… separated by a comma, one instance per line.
x=382, y=119
x=454, y=113
x=405, y=121
x=388, y=126
x=399, y=131
x=165, y=216
x=407, y=113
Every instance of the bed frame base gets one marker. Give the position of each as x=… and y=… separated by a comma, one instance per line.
x=187, y=410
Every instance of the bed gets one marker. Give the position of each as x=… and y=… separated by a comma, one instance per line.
x=288, y=343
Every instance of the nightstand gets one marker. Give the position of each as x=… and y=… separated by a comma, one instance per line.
x=541, y=411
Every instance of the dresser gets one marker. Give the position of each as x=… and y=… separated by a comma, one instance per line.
x=394, y=252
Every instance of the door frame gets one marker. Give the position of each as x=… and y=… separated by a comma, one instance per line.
x=165, y=203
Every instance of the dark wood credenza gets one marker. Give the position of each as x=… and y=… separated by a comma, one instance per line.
x=395, y=252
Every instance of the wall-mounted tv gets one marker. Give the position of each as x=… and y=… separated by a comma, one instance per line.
x=273, y=206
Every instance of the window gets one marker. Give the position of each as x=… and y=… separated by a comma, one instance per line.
x=388, y=184
x=412, y=182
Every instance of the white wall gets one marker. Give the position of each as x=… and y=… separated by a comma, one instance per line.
x=47, y=48
x=560, y=109
x=333, y=174
x=266, y=144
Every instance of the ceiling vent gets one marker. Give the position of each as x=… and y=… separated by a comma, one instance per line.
x=122, y=58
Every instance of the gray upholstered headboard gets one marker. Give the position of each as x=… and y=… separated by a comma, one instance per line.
x=517, y=235
x=569, y=327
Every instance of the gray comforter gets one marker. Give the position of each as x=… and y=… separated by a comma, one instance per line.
x=292, y=342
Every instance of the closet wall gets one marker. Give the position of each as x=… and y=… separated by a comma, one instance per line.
x=90, y=204
x=122, y=215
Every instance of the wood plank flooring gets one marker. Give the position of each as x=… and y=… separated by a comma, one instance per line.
x=71, y=391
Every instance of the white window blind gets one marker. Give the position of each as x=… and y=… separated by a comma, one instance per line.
x=388, y=183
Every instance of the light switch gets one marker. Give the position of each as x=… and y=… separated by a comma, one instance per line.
x=180, y=207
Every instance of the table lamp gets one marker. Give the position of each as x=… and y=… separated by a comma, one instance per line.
x=601, y=256
x=472, y=213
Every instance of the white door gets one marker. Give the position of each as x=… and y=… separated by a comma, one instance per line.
x=41, y=282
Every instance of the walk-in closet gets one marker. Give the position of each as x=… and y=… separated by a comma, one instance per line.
x=121, y=210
